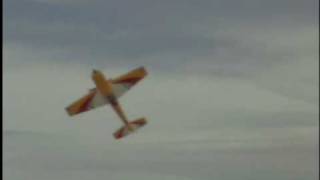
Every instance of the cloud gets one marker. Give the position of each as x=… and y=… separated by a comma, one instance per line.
x=44, y=155
x=173, y=103
x=142, y=30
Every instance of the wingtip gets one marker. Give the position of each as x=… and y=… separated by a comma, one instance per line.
x=69, y=112
x=143, y=69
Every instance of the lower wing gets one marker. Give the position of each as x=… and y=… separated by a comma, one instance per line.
x=95, y=99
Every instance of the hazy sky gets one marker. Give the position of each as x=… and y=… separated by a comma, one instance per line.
x=232, y=91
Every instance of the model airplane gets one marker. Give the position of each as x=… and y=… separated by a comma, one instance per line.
x=108, y=91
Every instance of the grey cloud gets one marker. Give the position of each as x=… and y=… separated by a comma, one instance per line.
x=211, y=38
x=142, y=29
x=31, y=156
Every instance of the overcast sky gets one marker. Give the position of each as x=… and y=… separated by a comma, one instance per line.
x=232, y=90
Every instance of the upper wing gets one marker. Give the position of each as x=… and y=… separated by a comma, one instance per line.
x=94, y=99
x=124, y=82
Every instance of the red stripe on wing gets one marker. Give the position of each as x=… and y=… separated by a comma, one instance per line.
x=85, y=105
x=132, y=80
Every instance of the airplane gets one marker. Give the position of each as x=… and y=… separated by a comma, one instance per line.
x=108, y=91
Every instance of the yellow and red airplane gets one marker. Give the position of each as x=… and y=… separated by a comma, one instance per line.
x=107, y=91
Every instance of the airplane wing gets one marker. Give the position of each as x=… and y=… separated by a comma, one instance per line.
x=90, y=101
x=125, y=82
x=95, y=99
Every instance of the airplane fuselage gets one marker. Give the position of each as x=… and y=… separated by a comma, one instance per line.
x=105, y=88
x=102, y=84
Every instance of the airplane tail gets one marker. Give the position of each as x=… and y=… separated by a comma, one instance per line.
x=130, y=128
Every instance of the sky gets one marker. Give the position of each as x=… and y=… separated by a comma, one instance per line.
x=232, y=90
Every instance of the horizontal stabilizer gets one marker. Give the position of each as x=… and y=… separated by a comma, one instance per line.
x=128, y=129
